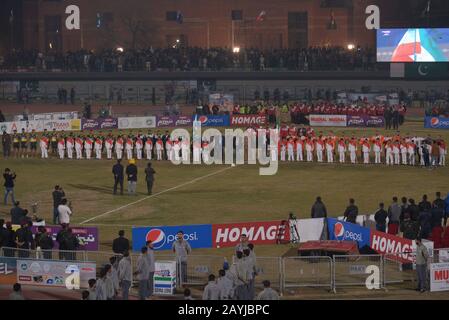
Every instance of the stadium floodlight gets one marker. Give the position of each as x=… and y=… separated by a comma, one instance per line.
x=177, y=40
x=120, y=49
x=351, y=46
x=236, y=49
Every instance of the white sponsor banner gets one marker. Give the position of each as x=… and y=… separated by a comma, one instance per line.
x=59, y=125
x=307, y=229
x=137, y=122
x=9, y=127
x=439, y=276
x=53, y=273
x=327, y=120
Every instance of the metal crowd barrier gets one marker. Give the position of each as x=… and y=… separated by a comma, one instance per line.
x=311, y=272
x=288, y=274
x=350, y=270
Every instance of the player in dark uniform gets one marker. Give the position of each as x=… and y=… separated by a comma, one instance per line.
x=16, y=144
x=54, y=142
x=24, y=144
x=33, y=143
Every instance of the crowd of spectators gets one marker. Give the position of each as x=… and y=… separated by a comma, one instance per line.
x=193, y=58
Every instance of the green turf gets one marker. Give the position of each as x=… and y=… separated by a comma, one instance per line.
x=235, y=195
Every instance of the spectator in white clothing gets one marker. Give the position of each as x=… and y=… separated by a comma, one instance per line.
x=211, y=291
x=267, y=293
x=92, y=289
x=64, y=212
x=125, y=274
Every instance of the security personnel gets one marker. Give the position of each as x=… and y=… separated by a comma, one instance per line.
x=33, y=143
x=117, y=171
x=149, y=177
x=16, y=144
x=24, y=144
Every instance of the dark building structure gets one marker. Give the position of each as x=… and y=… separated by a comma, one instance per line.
x=40, y=24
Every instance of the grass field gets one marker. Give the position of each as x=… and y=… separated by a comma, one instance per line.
x=190, y=194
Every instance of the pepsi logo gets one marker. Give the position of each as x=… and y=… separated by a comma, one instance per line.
x=157, y=238
x=203, y=119
x=339, y=230
x=434, y=121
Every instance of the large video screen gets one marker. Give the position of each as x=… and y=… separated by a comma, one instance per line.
x=413, y=45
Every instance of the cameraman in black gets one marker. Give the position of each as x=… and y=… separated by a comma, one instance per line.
x=9, y=177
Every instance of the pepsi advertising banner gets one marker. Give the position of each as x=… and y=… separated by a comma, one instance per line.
x=162, y=237
x=436, y=123
x=345, y=231
x=213, y=120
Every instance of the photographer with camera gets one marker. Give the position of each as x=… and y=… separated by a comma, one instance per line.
x=9, y=177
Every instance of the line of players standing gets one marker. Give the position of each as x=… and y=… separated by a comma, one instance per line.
x=94, y=144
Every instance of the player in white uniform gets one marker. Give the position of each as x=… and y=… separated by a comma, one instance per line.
x=377, y=148
x=309, y=150
x=396, y=153
x=319, y=150
x=290, y=150
x=389, y=154
x=79, y=147
x=98, y=146
x=69, y=146
x=341, y=148
x=299, y=149
x=129, y=148
x=159, y=148
x=139, y=147
x=44, y=147
x=61, y=147
x=330, y=151
x=403, y=148
x=283, y=150
x=149, y=148
x=119, y=147
x=366, y=148
x=352, y=147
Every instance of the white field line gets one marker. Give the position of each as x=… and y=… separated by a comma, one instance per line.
x=154, y=195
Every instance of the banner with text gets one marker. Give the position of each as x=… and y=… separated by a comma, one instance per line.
x=174, y=121
x=260, y=233
x=162, y=237
x=324, y=120
x=248, y=120
x=436, y=123
x=137, y=122
x=99, y=124
x=366, y=121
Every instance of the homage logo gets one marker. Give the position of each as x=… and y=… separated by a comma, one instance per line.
x=157, y=237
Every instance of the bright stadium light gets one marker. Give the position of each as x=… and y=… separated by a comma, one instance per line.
x=351, y=46
x=236, y=49
x=177, y=40
x=120, y=49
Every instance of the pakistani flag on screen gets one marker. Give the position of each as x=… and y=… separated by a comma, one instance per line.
x=426, y=70
x=419, y=45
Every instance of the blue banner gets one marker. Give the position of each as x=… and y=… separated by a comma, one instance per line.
x=436, y=123
x=198, y=236
x=345, y=231
x=213, y=120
